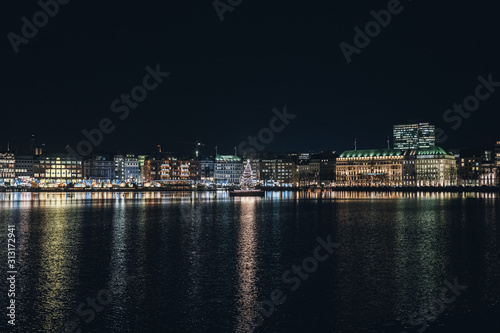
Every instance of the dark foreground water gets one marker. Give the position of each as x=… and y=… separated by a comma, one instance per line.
x=201, y=262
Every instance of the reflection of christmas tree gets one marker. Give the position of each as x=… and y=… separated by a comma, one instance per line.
x=246, y=179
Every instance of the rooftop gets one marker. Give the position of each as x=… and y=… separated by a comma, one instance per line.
x=393, y=152
x=227, y=158
x=372, y=153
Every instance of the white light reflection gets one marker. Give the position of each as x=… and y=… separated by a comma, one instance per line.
x=247, y=266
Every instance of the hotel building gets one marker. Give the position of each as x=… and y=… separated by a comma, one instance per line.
x=394, y=167
x=435, y=167
x=374, y=167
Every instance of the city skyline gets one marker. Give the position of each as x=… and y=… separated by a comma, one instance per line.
x=225, y=77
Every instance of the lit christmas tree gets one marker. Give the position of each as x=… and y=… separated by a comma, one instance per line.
x=246, y=179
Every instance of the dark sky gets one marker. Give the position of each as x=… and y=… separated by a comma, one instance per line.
x=226, y=77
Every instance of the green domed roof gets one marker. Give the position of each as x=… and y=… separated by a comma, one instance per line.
x=372, y=153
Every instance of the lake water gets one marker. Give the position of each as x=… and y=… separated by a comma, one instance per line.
x=204, y=262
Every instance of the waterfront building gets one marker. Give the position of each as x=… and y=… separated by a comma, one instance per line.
x=469, y=167
x=497, y=154
x=409, y=168
x=57, y=168
x=327, y=164
x=142, y=160
x=131, y=169
x=152, y=170
x=255, y=164
x=228, y=169
x=24, y=167
x=99, y=168
x=207, y=170
x=180, y=171
x=277, y=171
x=414, y=136
x=119, y=164
x=374, y=167
x=7, y=168
x=488, y=173
x=435, y=167
x=497, y=162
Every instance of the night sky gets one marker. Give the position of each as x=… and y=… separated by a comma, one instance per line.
x=226, y=77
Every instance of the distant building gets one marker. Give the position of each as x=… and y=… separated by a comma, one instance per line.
x=119, y=164
x=497, y=154
x=99, y=168
x=327, y=165
x=152, y=169
x=142, y=160
x=276, y=171
x=414, y=136
x=180, y=171
x=395, y=167
x=7, y=168
x=228, y=169
x=308, y=171
x=375, y=167
x=497, y=162
x=469, y=167
x=207, y=170
x=131, y=169
x=24, y=167
x=435, y=167
x=57, y=168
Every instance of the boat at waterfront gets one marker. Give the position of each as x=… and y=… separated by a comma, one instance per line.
x=247, y=184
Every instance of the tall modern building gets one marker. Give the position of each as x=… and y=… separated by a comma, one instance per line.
x=414, y=136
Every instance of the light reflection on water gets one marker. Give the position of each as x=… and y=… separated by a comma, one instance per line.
x=201, y=261
x=247, y=265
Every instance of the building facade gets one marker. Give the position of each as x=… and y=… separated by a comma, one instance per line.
x=497, y=162
x=370, y=168
x=7, y=168
x=327, y=165
x=414, y=136
x=180, y=171
x=207, y=170
x=228, y=169
x=152, y=170
x=99, y=168
x=131, y=172
x=57, y=168
x=281, y=172
x=435, y=167
x=24, y=167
